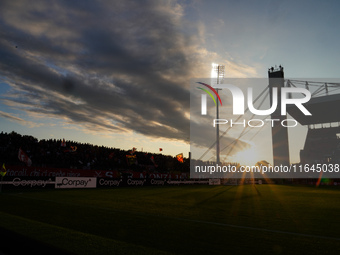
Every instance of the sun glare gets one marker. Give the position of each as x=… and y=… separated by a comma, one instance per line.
x=213, y=73
x=247, y=157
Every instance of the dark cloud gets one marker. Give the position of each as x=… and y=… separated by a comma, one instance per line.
x=117, y=65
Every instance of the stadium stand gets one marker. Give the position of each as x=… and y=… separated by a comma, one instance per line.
x=322, y=145
x=75, y=155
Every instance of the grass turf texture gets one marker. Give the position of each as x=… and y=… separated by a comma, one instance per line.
x=261, y=219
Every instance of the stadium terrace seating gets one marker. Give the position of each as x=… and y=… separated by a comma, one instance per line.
x=75, y=155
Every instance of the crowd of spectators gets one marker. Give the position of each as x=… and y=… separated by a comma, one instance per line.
x=54, y=153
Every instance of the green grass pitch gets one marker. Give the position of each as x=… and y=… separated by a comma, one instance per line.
x=249, y=219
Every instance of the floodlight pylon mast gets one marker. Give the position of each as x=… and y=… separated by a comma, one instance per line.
x=219, y=70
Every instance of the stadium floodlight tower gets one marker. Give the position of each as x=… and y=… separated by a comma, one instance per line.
x=217, y=76
x=279, y=133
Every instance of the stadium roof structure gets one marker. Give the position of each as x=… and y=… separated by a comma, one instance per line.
x=324, y=109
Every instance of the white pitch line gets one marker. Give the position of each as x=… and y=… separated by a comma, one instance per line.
x=189, y=220
x=255, y=229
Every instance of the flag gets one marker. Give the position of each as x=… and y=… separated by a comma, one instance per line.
x=24, y=158
x=180, y=157
x=131, y=159
x=133, y=150
x=153, y=161
x=160, y=149
x=3, y=171
x=63, y=143
x=73, y=148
